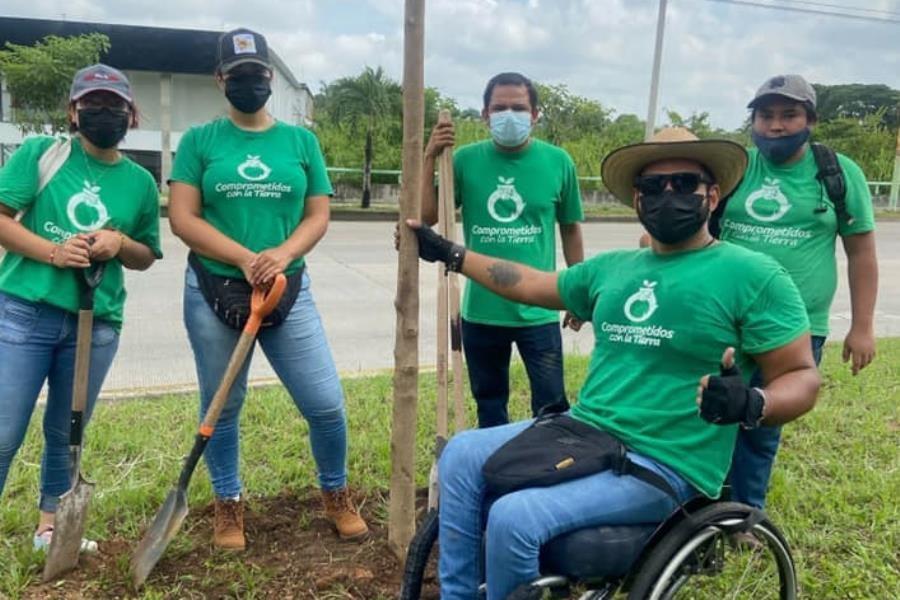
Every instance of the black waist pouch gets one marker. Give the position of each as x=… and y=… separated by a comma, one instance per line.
x=553, y=449
x=557, y=448
x=229, y=297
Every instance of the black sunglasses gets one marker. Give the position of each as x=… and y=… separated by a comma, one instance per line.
x=682, y=183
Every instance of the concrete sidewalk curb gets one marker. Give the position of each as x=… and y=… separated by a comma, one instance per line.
x=176, y=389
x=363, y=215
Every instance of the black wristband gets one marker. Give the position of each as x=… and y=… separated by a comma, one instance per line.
x=756, y=408
x=455, y=260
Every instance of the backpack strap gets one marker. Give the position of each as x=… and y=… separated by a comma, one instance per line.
x=831, y=176
x=715, y=217
x=52, y=160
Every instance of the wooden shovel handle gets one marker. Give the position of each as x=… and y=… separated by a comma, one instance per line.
x=261, y=304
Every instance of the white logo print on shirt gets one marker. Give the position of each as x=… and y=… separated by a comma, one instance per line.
x=253, y=169
x=506, y=198
x=768, y=193
x=90, y=197
x=641, y=305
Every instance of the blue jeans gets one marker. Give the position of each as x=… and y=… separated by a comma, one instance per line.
x=520, y=522
x=488, y=350
x=298, y=351
x=37, y=344
x=755, y=449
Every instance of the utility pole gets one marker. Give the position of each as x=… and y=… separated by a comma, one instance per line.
x=895, y=180
x=654, y=80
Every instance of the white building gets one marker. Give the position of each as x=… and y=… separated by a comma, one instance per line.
x=171, y=72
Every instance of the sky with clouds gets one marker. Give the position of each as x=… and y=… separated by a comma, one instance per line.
x=715, y=53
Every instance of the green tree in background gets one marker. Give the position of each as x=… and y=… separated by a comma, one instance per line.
x=38, y=77
x=857, y=120
x=858, y=101
x=866, y=140
x=567, y=116
x=362, y=103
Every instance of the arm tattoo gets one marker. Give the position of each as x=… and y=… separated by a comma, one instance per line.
x=505, y=274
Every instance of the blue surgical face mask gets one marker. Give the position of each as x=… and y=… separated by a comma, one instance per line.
x=780, y=149
x=510, y=128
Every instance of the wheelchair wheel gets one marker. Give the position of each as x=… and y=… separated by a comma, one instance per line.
x=417, y=557
x=704, y=557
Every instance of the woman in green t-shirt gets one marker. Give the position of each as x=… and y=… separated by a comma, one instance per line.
x=80, y=201
x=250, y=196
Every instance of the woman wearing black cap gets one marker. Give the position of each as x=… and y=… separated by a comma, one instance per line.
x=81, y=202
x=249, y=195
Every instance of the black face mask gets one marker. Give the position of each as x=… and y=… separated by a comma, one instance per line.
x=780, y=149
x=248, y=93
x=671, y=217
x=103, y=127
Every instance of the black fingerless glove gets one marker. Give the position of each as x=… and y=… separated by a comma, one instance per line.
x=727, y=399
x=433, y=247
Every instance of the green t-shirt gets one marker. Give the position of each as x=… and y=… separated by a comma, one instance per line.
x=785, y=212
x=661, y=322
x=510, y=205
x=84, y=195
x=254, y=184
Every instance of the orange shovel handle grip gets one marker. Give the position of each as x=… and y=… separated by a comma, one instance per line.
x=263, y=302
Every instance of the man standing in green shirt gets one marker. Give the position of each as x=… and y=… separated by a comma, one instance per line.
x=783, y=210
x=512, y=190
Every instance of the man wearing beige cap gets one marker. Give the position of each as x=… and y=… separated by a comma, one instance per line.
x=792, y=206
x=664, y=317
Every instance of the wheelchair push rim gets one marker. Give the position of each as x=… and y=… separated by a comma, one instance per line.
x=709, y=563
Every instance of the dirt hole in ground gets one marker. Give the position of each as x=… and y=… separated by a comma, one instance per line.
x=292, y=553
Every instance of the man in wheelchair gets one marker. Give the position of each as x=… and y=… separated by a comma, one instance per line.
x=664, y=318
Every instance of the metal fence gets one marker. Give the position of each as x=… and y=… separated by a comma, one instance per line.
x=878, y=189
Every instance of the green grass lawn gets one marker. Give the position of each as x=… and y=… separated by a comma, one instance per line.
x=835, y=490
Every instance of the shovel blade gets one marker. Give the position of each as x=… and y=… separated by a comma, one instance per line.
x=165, y=525
x=68, y=529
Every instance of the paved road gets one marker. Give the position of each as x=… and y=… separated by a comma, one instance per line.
x=354, y=283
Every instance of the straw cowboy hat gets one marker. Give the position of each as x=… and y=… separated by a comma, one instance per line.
x=725, y=160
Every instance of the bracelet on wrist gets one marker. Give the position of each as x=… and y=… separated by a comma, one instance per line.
x=53, y=254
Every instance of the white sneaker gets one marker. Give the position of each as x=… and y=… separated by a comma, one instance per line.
x=42, y=542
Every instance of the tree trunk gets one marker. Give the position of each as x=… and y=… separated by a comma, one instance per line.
x=367, y=171
x=402, y=509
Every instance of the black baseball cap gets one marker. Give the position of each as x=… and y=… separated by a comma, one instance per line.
x=242, y=46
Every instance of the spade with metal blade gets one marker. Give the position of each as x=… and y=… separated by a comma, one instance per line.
x=172, y=513
x=71, y=514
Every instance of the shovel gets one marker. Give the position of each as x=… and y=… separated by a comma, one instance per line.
x=448, y=322
x=71, y=514
x=171, y=514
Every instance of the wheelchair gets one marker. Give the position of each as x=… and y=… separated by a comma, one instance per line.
x=706, y=549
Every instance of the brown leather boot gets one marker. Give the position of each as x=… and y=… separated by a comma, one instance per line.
x=339, y=509
x=228, y=527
